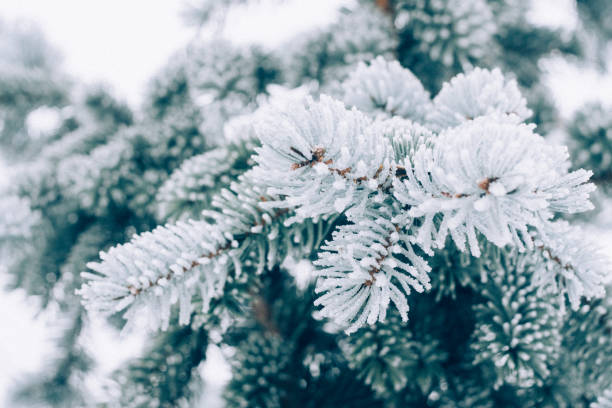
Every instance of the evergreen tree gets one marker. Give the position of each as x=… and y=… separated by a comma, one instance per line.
x=395, y=152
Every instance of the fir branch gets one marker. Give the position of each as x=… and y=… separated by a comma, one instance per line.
x=590, y=142
x=365, y=266
x=156, y=269
x=329, y=54
x=439, y=38
x=385, y=88
x=145, y=274
x=488, y=175
x=191, y=187
x=321, y=143
x=519, y=330
x=478, y=93
x=572, y=264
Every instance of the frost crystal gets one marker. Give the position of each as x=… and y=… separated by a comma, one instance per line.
x=405, y=136
x=384, y=87
x=574, y=264
x=392, y=188
x=322, y=157
x=366, y=266
x=156, y=270
x=479, y=93
x=497, y=178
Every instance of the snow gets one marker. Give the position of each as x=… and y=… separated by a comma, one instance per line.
x=121, y=43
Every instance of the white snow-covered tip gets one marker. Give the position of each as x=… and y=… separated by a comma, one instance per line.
x=320, y=157
x=156, y=270
x=366, y=266
x=386, y=88
x=478, y=93
x=574, y=264
x=404, y=135
x=497, y=178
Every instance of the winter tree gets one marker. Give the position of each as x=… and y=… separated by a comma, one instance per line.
x=371, y=215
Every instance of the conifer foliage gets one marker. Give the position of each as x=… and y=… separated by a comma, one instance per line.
x=409, y=177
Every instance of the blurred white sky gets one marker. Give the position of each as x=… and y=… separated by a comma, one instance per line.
x=123, y=43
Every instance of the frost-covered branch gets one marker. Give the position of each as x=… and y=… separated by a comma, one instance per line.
x=173, y=263
x=400, y=187
x=573, y=264
x=384, y=87
x=321, y=158
x=450, y=31
x=491, y=176
x=192, y=186
x=156, y=269
x=366, y=266
x=478, y=93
